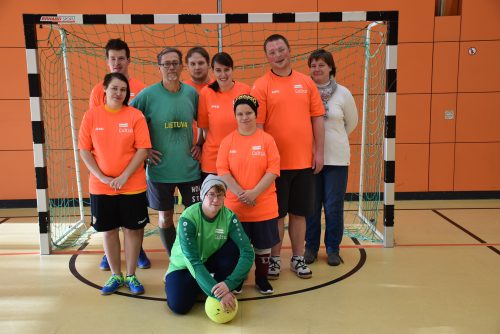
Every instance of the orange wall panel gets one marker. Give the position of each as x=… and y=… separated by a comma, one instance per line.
x=264, y=6
x=15, y=128
x=414, y=67
x=479, y=72
x=413, y=120
x=480, y=20
x=169, y=7
x=423, y=67
x=416, y=18
x=477, y=166
x=14, y=70
x=412, y=167
x=18, y=175
x=445, y=67
x=442, y=125
x=441, y=166
x=447, y=28
x=11, y=19
x=478, y=117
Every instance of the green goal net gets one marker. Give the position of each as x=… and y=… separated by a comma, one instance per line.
x=72, y=60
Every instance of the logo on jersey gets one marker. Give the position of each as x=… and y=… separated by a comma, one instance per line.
x=176, y=125
x=257, y=151
x=233, y=151
x=299, y=89
x=275, y=91
x=123, y=128
x=219, y=234
x=99, y=129
x=215, y=106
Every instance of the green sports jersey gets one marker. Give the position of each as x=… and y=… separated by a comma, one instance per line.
x=199, y=237
x=170, y=120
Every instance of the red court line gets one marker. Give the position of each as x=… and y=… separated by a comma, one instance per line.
x=286, y=247
x=446, y=245
x=20, y=253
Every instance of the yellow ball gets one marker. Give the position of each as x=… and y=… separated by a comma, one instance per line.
x=215, y=312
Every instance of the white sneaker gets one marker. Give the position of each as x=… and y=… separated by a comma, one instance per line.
x=274, y=267
x=299, y=267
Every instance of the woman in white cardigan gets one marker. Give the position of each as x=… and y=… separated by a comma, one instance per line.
x=341, y=118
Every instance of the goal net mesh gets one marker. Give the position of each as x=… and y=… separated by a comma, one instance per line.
x=66, y=90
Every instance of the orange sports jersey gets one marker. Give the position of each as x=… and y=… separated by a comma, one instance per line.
x=113, y=138
x=97, y=94
x=247, y=159
x=286, y=105
x=198, y=88
x=216, y=115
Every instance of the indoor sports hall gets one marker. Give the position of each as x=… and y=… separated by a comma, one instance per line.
x=420, y=251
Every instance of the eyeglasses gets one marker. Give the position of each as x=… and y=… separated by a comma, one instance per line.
x=167, y=64
x=212, y=196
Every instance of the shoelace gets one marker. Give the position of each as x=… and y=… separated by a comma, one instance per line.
x=299, y=263
x=113, y=279
x=132, y=280
x=274, y=264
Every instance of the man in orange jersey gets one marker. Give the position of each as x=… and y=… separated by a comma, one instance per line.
x=118, y=59
x=292, y=112
x=197, y=60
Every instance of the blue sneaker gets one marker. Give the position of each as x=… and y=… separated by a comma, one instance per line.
x=113, y=284
x=104, y=264
x=143, y=261
x=134, y=285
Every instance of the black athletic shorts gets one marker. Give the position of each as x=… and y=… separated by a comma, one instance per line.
x=263, y=234
x=295, y=191
x=113, y=211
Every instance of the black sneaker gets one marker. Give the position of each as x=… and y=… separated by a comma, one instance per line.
x=263, y=285
x=238, y=290
x=310, y=256
x=334, y=259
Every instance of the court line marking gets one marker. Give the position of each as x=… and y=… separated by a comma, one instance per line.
x=346, y=210
x=359, y=265
x=466, y=231
x=90, y=252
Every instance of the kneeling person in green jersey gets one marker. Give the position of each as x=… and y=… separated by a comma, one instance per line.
x=211, y=252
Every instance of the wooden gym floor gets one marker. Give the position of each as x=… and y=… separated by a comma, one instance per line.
x=442, y=277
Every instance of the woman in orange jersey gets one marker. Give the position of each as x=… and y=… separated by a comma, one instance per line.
x=249, y=162
x=215, y=107
x=113, y=143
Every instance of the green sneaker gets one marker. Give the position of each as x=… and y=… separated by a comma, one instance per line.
x=134, y=285
x=113, y=283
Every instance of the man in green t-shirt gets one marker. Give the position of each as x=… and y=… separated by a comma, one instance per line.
x=212, y=252
x=170, y=107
